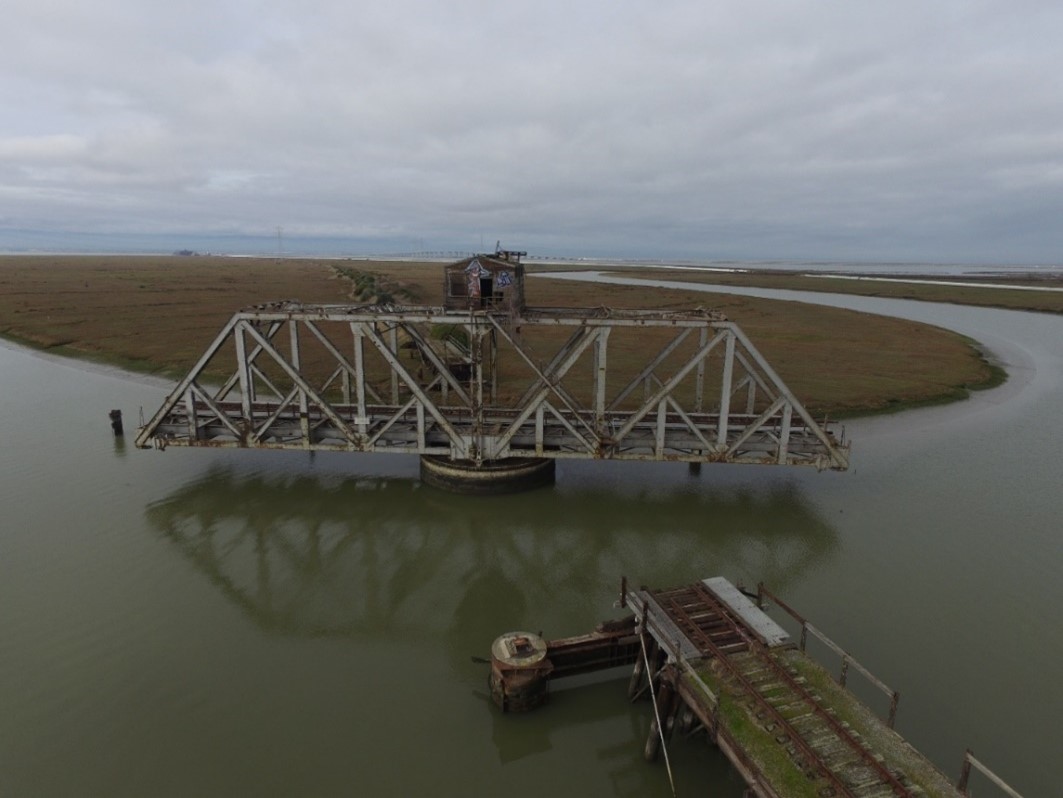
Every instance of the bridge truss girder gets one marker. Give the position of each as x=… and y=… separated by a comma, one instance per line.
x=381, y=379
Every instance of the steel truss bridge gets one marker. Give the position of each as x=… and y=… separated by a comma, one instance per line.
x=483, y=385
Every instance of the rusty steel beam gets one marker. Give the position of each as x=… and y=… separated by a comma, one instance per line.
x=375, y=400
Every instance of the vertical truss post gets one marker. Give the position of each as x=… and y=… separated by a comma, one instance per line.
x=476, y=350
x=699, y=380
x=600, y=374
x=393, y=344
x=243, y=367
x=492, y=343
x=662, y=419
x=725, y=388
x=345, y=384
x=784, y=434
x=359, y=378
x=190, y=408
x=304, y=407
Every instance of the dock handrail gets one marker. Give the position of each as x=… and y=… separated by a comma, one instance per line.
x=968, y=762
x=846, y=657
x=969, y=759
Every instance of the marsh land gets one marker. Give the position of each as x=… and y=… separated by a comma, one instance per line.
x=156, y=314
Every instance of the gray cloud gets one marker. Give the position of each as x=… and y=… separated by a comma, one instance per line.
x=761, y=129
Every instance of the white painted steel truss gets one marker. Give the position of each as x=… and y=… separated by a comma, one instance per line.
x=384, y=379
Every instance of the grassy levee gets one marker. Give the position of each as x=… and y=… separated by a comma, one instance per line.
x=158, y=314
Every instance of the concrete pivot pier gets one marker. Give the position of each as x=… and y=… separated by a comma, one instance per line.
x=509, y=475
x=714, y=664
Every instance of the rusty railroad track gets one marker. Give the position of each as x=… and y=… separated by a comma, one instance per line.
x=824, y=747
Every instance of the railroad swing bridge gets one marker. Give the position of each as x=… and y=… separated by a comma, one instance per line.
x=485, y=380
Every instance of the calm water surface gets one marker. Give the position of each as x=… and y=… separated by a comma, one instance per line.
x=200, y=623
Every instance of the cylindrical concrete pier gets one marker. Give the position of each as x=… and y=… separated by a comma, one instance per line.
x=520, y=672
x=492, y=477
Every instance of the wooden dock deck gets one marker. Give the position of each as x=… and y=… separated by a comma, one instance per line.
x=782, y=720
x=712, y=661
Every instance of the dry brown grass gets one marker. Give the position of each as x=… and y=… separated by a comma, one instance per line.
x=159, y=313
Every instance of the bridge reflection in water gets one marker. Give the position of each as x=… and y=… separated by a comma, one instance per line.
x=381, y=556
x=384, y=561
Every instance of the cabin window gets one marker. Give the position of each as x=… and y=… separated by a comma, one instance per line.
x=457, y=284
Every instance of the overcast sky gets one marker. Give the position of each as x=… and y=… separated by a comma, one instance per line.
x=834, y=129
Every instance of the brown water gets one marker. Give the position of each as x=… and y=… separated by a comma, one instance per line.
x=199, y=623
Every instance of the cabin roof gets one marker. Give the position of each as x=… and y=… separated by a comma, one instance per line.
x=492, y=264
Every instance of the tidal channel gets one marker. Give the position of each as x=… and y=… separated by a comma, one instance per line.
x=242, y=623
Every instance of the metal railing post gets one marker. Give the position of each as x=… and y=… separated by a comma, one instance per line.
x=961, y=785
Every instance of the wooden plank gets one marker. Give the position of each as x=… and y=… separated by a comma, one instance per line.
x=661, y=627
x=766, y=630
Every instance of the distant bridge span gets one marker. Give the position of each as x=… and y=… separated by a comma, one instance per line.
x=482, y=385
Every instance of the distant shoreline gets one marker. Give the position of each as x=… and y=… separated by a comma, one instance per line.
x=882, y=270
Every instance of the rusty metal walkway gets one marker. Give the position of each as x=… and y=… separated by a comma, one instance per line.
x=735, y=670
x=577, y=383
